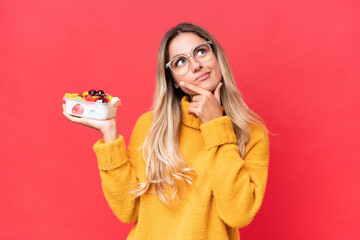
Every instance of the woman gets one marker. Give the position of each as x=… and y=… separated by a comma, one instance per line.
x=196, y=165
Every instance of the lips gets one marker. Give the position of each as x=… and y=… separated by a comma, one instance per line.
x=203, y=76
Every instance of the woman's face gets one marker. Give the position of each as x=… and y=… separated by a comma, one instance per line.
x=183, y=44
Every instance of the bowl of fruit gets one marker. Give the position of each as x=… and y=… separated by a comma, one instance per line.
x=91, y=104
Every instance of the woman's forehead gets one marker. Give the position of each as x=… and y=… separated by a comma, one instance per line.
x=183, y=44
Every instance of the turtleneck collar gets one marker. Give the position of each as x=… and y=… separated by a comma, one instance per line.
x=188, y=119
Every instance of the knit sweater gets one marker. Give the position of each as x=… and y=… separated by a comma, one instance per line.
x=227, y=190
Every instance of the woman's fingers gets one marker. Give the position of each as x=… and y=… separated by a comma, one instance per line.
x=72, y=118
x=198, y=98
x=195, y=104
x=195, y=88
x=193, y=111
x=93, y=123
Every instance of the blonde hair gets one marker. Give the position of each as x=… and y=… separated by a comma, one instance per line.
x=164, y=162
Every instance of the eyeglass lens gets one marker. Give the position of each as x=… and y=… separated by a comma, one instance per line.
x=201, y=53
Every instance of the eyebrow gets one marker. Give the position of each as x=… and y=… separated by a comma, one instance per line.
x=180, y=54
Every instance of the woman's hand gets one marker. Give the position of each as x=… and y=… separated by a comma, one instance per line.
x=107, y=127
x=206, y=105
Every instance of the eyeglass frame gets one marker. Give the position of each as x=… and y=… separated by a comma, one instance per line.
x=188, y=56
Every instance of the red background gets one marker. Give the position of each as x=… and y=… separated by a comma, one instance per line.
x=295, y=62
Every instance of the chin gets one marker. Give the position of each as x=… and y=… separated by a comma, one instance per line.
x=208, y=86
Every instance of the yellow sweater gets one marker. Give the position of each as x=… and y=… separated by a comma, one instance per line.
x=227, y=193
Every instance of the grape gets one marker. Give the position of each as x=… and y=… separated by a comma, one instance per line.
x=101, y=92
x=92, y=92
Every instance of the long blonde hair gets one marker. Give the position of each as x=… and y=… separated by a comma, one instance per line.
x=164, y=162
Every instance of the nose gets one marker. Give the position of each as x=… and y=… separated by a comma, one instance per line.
x=194, y=65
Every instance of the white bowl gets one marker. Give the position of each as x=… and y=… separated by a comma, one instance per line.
x=94, y=110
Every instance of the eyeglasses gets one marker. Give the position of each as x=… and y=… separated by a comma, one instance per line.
x=180, y=64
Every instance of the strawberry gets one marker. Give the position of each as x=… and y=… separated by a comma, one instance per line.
x=78, y=109
x=89, y=98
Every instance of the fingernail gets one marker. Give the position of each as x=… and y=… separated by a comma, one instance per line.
x=182, y=83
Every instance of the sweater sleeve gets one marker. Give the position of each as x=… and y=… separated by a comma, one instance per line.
x=238, y=184
x=117, y=171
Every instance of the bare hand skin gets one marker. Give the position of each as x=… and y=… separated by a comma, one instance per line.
x=206, y=106
x=107, y=127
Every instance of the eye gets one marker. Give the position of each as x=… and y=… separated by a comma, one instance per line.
x=179, y=62
x=201, y=51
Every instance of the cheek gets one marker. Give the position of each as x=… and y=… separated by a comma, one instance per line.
x=178, y=79
x=218, y=73
x=213, y=63
x=185, y=78
x=216, y=67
